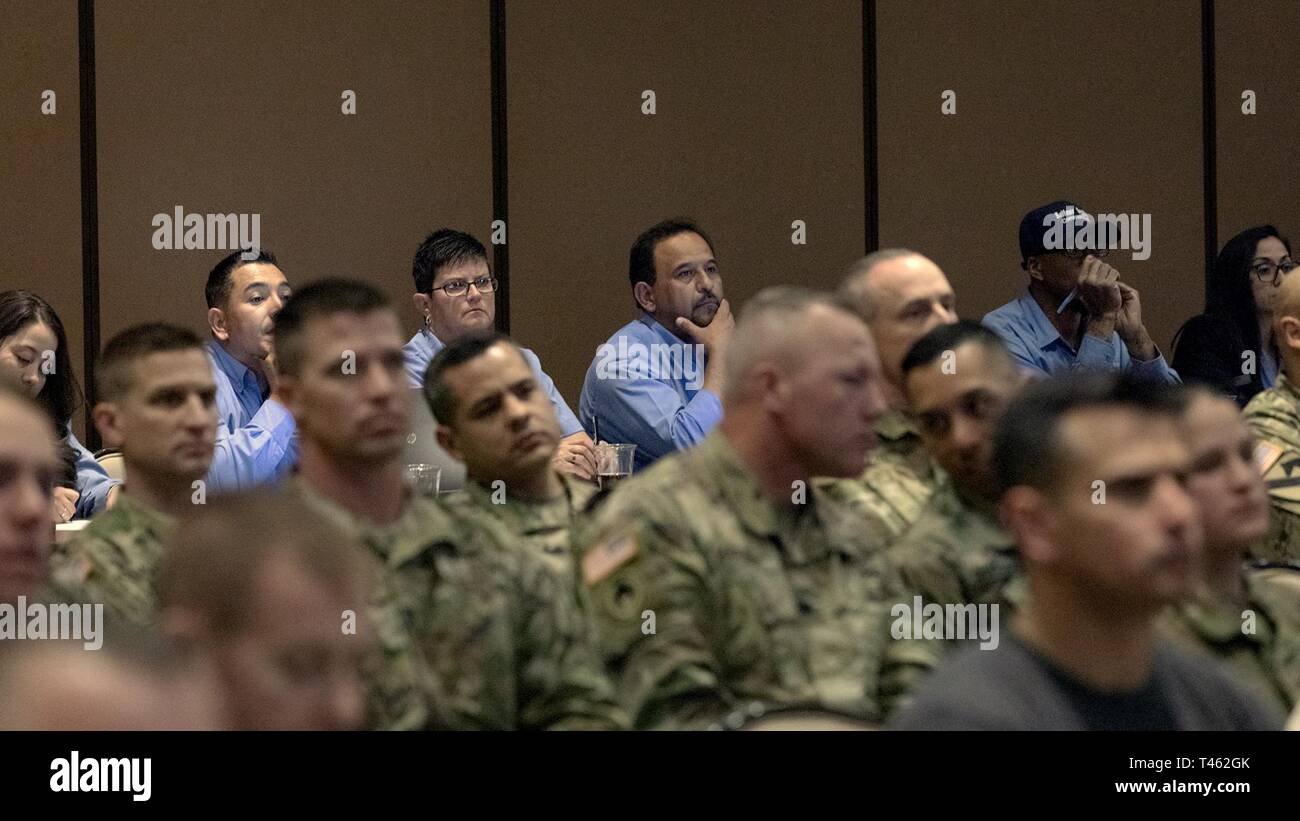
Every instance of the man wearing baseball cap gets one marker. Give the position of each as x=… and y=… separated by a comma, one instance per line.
x=1076, y=314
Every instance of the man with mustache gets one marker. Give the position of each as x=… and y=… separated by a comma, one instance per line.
x=157, y=402
x=720, y=578
x=474, y=634
x=1092, y=470
x=455, y=292
x=656, y=382
x=255, y=442
x=494, y=416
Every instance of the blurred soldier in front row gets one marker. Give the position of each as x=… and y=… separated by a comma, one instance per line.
x=493, y=416
x=1248, y=618
x=474, y=634
x=1092, y=469
x=157, y=402
x=271, y=598
x=958, y=379
x=719, y=580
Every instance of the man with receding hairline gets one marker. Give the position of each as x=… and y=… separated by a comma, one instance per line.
x=901, y=295
x=719, y=577
x=1273, y=416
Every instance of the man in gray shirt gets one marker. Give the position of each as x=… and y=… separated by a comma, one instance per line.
x=1092, y=470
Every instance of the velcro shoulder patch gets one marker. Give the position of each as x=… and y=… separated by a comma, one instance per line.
x=607, y=556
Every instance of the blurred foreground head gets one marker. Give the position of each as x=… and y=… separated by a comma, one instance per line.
x=29, y=462
x=803, y=369
x=274, y=599
x=1093, y=469
x=133, y=682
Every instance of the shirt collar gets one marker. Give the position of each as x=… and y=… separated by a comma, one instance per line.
x=237, y=371
x=435, y=344
x=659, y=330
x=1044, y=332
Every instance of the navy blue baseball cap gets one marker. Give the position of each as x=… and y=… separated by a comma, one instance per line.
x=1035, y=225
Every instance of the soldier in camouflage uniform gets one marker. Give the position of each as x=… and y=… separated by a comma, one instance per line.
x=1273, y=416
x=1248, y=618
x=494, y=417
x=901, y=295
x=157, y=402
x=959, y=379
x=718, y=579
x=475, y=634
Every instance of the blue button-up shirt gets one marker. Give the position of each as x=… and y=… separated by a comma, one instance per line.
x=644, y=388
x=255, y=435
x=424, y=346
x=1036, y=344
x=93, y=483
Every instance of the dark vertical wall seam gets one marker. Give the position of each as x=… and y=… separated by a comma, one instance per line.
x=1209, y=135
x=871, y=200
x=89, y=209
x=500, y=253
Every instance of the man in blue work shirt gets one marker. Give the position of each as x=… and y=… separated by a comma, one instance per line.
x=1076, y=314
x=256, y=440
x=455, y=292
x=656, y=383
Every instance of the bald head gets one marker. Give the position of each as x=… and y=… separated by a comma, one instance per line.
x=802, y=373
x=1286, y=319
x=901, y=295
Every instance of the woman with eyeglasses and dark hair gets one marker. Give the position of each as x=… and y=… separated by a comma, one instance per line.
x=1230, y=347
x=34, y=349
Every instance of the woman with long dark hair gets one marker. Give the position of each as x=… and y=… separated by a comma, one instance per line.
x=1230, y=347
x=34, y=348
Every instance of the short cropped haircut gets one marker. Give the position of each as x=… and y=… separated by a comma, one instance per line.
x=439, y=395
x=220, y=278
x=444, y=247
x=212, y=562
x=1027, y=449
x=641, y=261
x=950, y=337
x=114, y=372
x=323, y=298
x=767, y=322
x=853, y=290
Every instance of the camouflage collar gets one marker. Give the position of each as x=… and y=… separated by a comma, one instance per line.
x=1219, y=621
x=393, y=542
x=136, y=513
x=717, y=464
x=1283, y=386
x=895, y=425
x=575, y=496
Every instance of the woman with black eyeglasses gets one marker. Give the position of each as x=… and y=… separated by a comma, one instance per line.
x=1230, y=346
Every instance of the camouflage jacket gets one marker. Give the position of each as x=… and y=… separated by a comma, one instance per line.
x=114, y=558
x=473, y=635
x=1274, y=417
x=547, y=528
x=1258, y=640
x=709, y=597
x=898, y=480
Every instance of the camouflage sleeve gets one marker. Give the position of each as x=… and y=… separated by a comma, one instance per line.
x=918, y=568
x=1282, y=543
x=109, y=570
x=399, y=683
x=563, y=685
x=653, y=618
